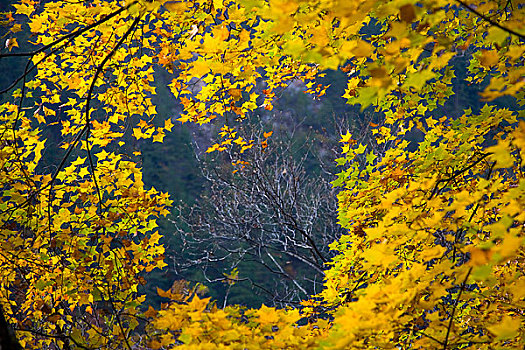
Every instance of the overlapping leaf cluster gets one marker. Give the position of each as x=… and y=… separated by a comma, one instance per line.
x=193, y=322
x=434, y=251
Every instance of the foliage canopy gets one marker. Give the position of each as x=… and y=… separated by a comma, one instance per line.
x=434, y=252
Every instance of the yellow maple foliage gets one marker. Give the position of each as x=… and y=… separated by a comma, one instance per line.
x=434, y=251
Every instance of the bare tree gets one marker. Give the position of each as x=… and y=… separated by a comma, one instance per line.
x=265, y=208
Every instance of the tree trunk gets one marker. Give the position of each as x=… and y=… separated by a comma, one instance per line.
x=8, y=339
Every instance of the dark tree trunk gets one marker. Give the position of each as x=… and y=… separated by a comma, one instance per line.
x=8, y=339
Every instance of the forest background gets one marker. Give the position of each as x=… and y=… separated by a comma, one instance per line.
x=224, y=232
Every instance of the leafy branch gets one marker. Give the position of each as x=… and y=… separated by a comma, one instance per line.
x=489, y=20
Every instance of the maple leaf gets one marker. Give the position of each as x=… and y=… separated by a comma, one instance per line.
x=10, y=43
x=267, y=134
x=158, y=137
x=346, y=137
x=489, y=58
x=506, y=329
x=168, y=125
x=267, y=315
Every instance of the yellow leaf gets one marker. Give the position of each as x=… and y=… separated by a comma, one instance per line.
x=434, y=252
x=489, y=58
x=509, y=246
x=16, y=28
x=267, y=315
x=361, y=149
x=137, y=132
x=235, y=93
x=479, y=257
x=48, y=111
x=232, y=276
x=517, y=289
x=158, y=137
x=40, y=117
x=501, y=154
x=113, y=118
x=102, y=155
x=200, y=68
x=168, y=124
x=151, y=312
x=212, y=148
x=175, y=6
x=24, y=8
x=346, y=137
x=419, y=79
x=83, y=172
x=161, y=264
x=221, y=33
x=506, y=329
x=363, y=49
x=198, y=304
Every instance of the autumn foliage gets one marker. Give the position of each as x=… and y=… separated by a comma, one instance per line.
x=433, y=255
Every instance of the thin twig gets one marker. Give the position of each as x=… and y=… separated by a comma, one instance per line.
x=68, y=36
x=445, y=342
x=492, y=22
x=90, y=96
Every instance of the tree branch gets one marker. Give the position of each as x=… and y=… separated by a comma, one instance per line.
x=70, y=35
x=486, y=19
